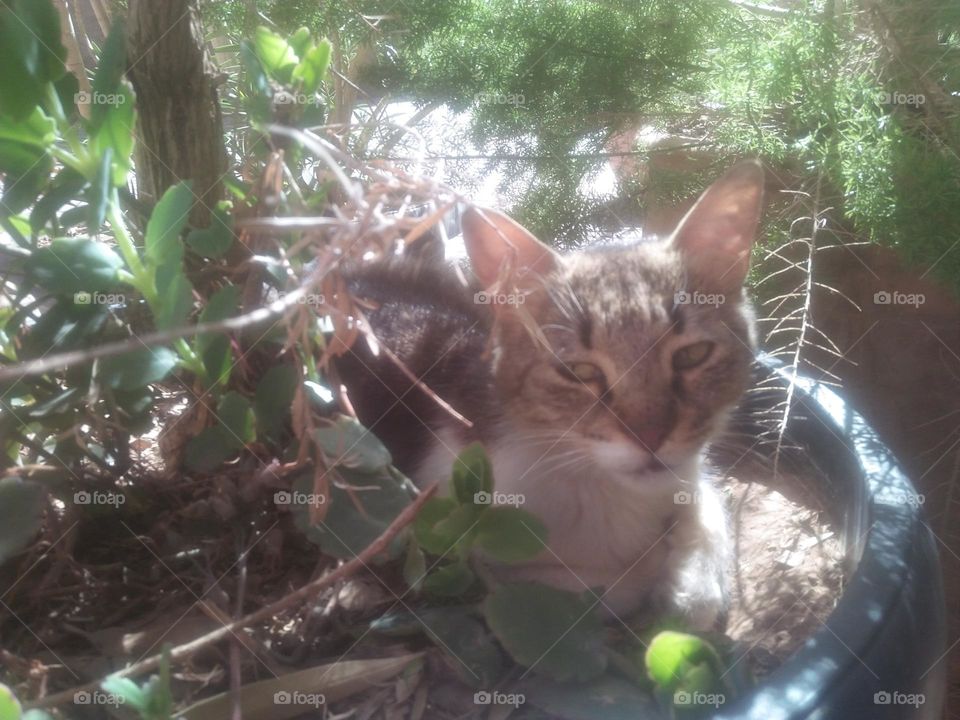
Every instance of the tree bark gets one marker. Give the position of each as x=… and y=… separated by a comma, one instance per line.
x=180, y=124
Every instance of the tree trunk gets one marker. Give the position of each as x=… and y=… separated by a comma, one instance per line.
x=180, y=124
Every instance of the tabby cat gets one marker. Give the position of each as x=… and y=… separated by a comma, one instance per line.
x=595, y=380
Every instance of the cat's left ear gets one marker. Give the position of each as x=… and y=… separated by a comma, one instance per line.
x=716, y=235
x=493, y=238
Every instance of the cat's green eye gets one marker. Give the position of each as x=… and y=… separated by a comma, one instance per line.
x=585, y=372
x=692, y=355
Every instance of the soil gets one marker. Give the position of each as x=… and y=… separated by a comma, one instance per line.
x=789, y=570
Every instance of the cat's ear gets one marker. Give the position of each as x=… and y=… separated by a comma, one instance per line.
x=493, y=238
x=716, y=235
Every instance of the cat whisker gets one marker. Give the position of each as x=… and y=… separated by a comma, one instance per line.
x=568, y=463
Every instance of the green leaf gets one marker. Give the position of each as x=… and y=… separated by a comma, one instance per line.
x=53, y=405
x=31, y=54
x=68, y=90
x=116, y=132
x=397, y=623
x=450, y=580
x=67, y=185
x=68, y=325
x=127, y=689
x=414, y=565
x=277, y=56
x=424, y=526
x=300, y=41
x=214, y=348
x=137, y=406
x=347, y=530
x=236, y=415
x=138, y=369
x=19, y=191
x=21, y=513
x=210, y=449
x=74, y=216
x=679, y=661
x=260, y=103
x=274, y=398
x=459, y=527
x=108, y=78
x=9, y=707
x=558, y=633
x=313, y=67
x=24, y=159
x=37, y=715
x=510, y=534
x=98, y=194
x=177, y=293
x=36, y=129
x=347, y=443
x=162, y=239
x=20, y=93
x=213, y=241
x=17, y=158
x=72, y=265
x=467, y=644
x=41, y=19
x=472, y=474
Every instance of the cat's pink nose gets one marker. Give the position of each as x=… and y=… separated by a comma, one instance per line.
x=651, y=437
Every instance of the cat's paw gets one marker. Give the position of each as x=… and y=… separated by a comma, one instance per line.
x=701, y=602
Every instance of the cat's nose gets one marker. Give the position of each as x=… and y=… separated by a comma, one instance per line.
x=651, y=436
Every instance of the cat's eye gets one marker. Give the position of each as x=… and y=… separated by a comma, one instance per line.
x=585, y=372
x=692, y=355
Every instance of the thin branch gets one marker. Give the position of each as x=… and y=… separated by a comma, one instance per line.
x=294, y=598
x=42, y=366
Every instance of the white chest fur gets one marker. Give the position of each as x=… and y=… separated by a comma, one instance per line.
x=630, y=538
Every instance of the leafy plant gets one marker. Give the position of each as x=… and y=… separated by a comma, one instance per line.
x=151, y=700
x=466, y=520
x=688, y=674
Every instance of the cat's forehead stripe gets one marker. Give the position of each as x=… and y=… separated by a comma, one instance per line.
x=586, y=330
x=623, y=289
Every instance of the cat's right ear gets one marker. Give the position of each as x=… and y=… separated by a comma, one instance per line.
x=492, y=239
x=716, y=236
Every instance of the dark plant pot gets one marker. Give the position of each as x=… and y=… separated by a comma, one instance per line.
x=880, y=654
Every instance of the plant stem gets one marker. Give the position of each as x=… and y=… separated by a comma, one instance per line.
x=141, y=280
x=68, y=132
x=191, y=361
